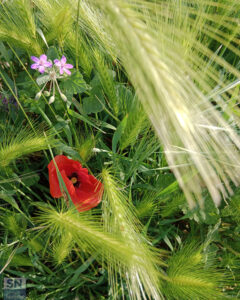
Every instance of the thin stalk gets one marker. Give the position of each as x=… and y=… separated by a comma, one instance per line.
x=77, y=28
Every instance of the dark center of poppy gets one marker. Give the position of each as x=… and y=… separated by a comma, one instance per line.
x=74, y=178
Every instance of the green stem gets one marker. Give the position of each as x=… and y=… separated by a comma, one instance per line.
x=77, y=34
x=18, y=102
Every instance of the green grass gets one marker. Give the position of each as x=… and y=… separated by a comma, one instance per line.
x=152, y=112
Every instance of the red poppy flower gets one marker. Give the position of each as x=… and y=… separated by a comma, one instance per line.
x=85, y=190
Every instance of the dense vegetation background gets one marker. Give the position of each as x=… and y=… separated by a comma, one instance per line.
x=151, y=109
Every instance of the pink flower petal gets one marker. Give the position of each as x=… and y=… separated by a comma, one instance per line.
x=68, y=66
x=35, y=59
x=63, y=60
x=41, y=69
x=58, y=64
x=43, y=57
x=56, y=61
x=34, y=66
x=67, y=71
x=61, y=70
x=48, y=64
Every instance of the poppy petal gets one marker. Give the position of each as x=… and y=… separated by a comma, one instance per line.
x=86, y=200
x=69, y=185
x=91, y=202
x=55, y=190
x=61, y=161
x=86, y=195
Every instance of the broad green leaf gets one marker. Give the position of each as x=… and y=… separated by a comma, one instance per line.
x=73, y=84
x=7, y=196
x=92, y=105
x=4, y=52
x=95, y=102
x=52, y=53
x=70, y=151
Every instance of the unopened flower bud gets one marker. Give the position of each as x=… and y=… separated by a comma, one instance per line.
x=38, y=95
x=46, y=93
x=51, y=100
x=64, y=98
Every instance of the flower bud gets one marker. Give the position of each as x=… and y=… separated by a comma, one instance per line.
x=38, y=95
x=46, y=93
x=51, y=100
x=64, y=98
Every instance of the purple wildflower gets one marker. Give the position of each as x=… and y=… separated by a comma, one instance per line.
x=63, y=67
x=8, y=101
x=5, y=101
x=40, y=63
